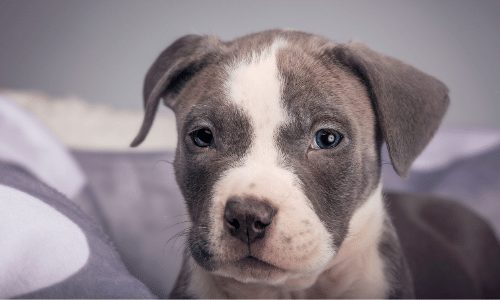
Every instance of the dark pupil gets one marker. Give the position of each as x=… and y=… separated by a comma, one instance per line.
x=327, y=139
x=203, y=137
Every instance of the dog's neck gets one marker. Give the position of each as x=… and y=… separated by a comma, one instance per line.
x=356, y=271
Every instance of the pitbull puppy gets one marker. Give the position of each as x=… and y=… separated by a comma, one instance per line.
x=278, y=158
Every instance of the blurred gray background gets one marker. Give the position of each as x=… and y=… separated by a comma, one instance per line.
x=100, y=50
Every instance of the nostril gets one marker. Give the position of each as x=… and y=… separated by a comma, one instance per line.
x=233, y=223
x=259, y=226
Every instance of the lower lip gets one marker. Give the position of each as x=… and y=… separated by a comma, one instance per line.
x=255, y=263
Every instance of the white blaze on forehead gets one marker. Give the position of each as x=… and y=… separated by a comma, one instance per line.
x=255, y=86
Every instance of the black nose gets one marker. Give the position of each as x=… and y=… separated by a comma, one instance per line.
x=247, y=218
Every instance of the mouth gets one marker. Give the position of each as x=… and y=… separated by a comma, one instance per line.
x=252, y=269
x=254, y=263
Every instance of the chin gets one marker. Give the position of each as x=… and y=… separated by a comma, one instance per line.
x=251, y=270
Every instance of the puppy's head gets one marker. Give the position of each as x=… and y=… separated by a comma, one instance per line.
x=279, y=137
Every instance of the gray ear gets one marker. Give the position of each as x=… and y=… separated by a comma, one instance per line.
x=169, y=73
x=409, y=103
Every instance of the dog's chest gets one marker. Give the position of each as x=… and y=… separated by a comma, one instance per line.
x=360, y=279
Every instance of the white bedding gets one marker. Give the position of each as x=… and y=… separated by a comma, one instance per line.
x=28, y=143
x=80, y=124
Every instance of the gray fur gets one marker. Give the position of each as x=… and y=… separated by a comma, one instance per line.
x=409, y=103
x=197, y=169
x=450, y=251
x=171, y=70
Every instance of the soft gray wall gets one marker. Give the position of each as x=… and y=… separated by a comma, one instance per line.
x=100, y=50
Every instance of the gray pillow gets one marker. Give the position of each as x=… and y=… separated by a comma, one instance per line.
x=49, y=248
x=142, y=209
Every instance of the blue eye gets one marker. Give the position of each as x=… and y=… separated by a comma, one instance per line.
x=326, y=139
x=202, y=137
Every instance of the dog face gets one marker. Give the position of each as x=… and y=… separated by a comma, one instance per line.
x=279, y=144
x=266, y=149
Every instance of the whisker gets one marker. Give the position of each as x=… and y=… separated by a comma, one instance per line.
x=174, y=238
x=164, y=161
x=178, y=216
x=170, y=226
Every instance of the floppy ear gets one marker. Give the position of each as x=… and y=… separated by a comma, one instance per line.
x=409, y=104
x=173, y=68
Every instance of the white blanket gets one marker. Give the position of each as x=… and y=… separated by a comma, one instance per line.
x=27, y=142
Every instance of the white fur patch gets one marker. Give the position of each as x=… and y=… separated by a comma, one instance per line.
x=357, y=271
x=297, y=240
x=39, y=246
x=256, y=87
